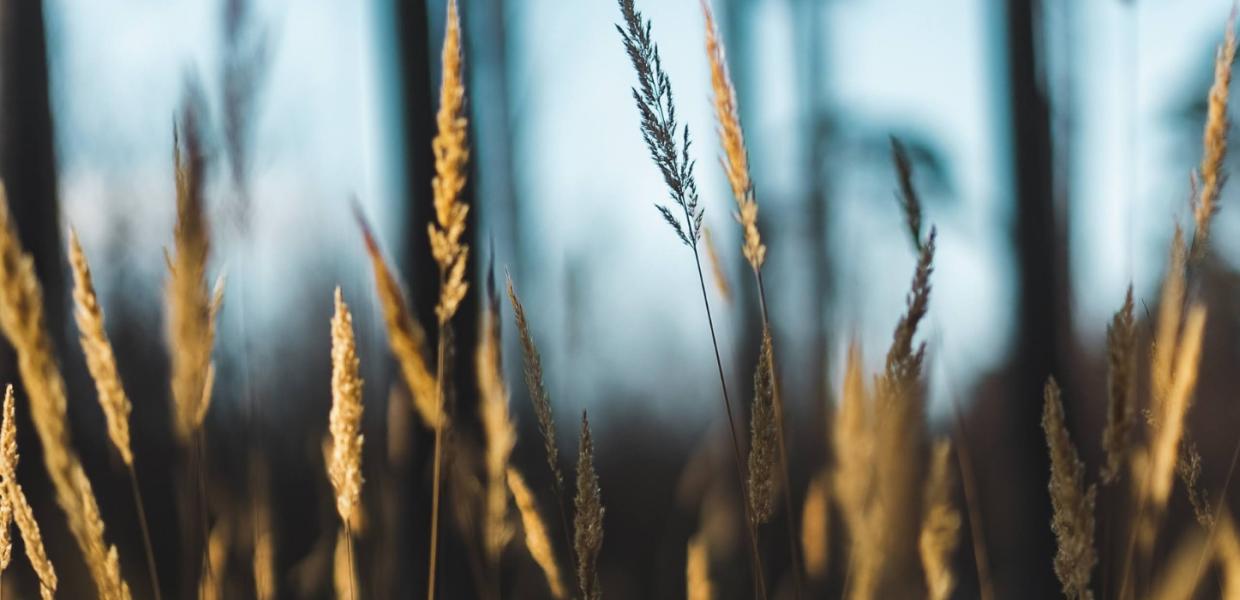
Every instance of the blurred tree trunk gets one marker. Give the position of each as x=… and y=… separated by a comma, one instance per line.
x=413, y=42
x=1041, y=299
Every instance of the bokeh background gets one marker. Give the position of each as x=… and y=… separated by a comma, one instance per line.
x=1053, y=142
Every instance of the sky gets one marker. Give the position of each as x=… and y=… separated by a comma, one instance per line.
x=614, y=295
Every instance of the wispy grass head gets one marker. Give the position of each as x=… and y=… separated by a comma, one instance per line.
x=667, y=142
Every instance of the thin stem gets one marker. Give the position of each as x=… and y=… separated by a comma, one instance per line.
x=348, y=544
x=783, y=446
x=1218, y=512
x=439, y=394
x=568, y=540
x=146, y=532
x=968, y=482
x=200, y=470
x=756, y=559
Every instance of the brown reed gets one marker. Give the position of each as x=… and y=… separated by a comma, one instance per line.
x=6, y=531
x=718, y=272
x=537, y=541
x=1073, y=503
x=588, y=519
x=855, y=444
x=1169, y=422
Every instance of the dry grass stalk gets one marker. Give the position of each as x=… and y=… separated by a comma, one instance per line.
x=697, y=570
x=815, y=524
x=537, y=541
x=1073, y=503
x=763, y=447
x=537, y=388
x=100, y=360
x=1227, y=551
x=1214, y=139
x=191, y=305
x=1188, y=467
x=909, y=199
x=1169, y=423
x=1170, y=311
x=22, y=320
x=406, y=337
x=1180, y=574
x=451, y=158
x=854, y=443
x=940, y=527
x=345, y=468
x=12, y=493
x=499, y=433
x=732, y=138
x=588, y=519
x=6, y=530
x=264, y=559
x=1121, y=404
x=344, y=572
x=720, y=274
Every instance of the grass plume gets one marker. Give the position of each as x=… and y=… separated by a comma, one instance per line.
x=537, y=541
x=1073, y=503
x=588, y=518
x=1214, y=139
x=1121, y=404
x=14, y=497
x=498, y=431
x=763, y=446
x=22, y=321
x=345, y=468
x=406, y=337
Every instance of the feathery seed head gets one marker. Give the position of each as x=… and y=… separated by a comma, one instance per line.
x=537, y=541
x=451, y=151
x=1073, y=519
x=1169, y=424
x=537, y=389
x=406, y=337
x=588, y=518
x=100, y=360
x=764, y=442
x=499, y=432
x=345, y=469
x=1214, y=139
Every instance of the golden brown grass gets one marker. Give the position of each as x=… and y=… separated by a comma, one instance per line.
x=22, y=320
x=100, y=360
x=345, y=468
x=537, y=541
x=499, y=434
x=763, y=445
x=16, y=498
x=1073, y=502
x=854, y=442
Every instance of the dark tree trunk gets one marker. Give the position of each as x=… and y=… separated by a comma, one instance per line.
x=1041, y=299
